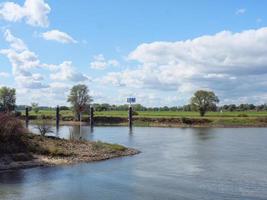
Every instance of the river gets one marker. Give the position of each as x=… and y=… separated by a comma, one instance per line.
x=175, y=163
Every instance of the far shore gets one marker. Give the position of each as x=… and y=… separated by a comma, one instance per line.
x=178, y=122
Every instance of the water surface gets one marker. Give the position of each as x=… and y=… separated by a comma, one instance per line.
x=175, y=163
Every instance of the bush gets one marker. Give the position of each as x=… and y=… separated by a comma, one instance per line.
x=44, y=126
x=11, y=135
x=135, y=113
x=18, y=114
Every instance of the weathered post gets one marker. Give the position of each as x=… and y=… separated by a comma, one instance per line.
x=130, y=116
x=91, y=116
x=130, y=100
x=27, y=116
x=57, y=117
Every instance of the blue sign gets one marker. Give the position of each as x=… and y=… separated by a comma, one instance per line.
x=131, y=100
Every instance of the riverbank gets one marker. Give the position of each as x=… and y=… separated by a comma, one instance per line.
x=161, y=118
x=178, y=122
x=21, y=149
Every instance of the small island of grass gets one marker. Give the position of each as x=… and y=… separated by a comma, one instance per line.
x=21, y=149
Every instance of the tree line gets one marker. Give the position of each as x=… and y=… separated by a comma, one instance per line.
x=138, y=107
x=80, y=101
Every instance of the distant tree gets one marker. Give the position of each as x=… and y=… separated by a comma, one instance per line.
x=64, y=108
x=139, y=107
x=187, y=108
x=7, y=99
x=35, y=107
x=80, y=99
x=204, y=101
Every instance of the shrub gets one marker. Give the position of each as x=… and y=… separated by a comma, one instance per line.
x=135, y=113
x=11, y=135
x=17, y=114
x=44, y=126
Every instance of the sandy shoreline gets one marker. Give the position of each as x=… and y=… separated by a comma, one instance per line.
x=48, y=161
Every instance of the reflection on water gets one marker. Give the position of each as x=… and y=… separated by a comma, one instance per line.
x=174, y=164
x=203, y=133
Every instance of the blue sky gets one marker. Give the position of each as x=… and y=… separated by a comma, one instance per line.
x=158, y=51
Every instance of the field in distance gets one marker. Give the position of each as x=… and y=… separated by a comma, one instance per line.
x=155, y=114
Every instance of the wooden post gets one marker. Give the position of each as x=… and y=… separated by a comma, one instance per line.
x=130, y=116
x=27, y=116
x=57, y=117
x=91, y=116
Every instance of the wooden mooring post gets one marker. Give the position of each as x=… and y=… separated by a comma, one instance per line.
x=91, y=116
x=27, y=116
x=57, y=116
x=130, y=116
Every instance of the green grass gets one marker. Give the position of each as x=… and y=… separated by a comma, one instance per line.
x=109, y=147
x=180, y=114
x=157, y=114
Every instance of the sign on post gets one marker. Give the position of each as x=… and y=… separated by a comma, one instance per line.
x=131, y=100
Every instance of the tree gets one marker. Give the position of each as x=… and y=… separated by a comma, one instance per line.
x=80, y=99
x=7, y=99
x=35, y=107
x=204, y=101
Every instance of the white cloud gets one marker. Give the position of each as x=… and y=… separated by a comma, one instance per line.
x=100, y=62
x=30, y=73
x=240, y=11
x=58, y=36
x=34, y=12
x=66, y=72
x=25, y=62
x=4, y=75
x=229, y=63
x=15, y=43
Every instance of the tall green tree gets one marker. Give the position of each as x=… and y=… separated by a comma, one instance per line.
x=204, y=101
x=80, y=99
x=7, y=99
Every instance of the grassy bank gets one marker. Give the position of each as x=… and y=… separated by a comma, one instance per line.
x=154, y=114
x=168, y=118
x=19, y=148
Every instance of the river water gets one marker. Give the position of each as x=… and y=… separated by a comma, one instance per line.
x=175, y=163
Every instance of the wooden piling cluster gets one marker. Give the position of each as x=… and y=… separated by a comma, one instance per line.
x=91, y=116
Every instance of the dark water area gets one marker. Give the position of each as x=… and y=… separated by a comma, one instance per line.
x=175, y=163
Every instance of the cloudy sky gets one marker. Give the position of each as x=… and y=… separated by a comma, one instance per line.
x=157, y=51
